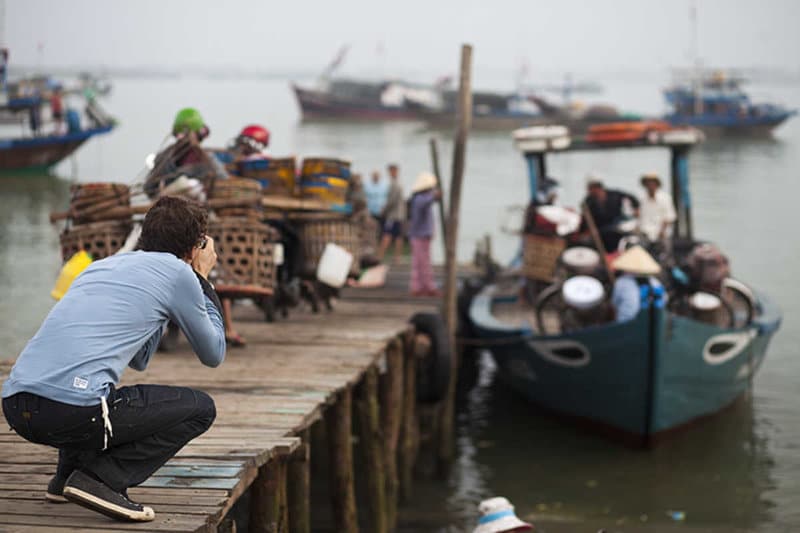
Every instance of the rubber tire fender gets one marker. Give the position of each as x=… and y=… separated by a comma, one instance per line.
x=433, y=372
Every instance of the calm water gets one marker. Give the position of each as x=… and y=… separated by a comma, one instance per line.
x=740, y=471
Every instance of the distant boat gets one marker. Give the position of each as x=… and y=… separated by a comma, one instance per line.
x=718, y=105
x=671, y=365
x=509, y=111
x=35, y=149
x=360, y=100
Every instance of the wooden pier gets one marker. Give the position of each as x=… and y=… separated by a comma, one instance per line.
x=298, y=378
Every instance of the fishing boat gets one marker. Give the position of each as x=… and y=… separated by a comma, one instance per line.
x=496, y=111
x=362, y=100
x=718, y=105
x=36, y=147
x=638, y=380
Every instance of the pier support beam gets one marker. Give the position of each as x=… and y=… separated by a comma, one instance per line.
x=299, y=486
x=408, y=441
x=371, y=436
x=391, y=415
x=338, y=420
x=265, y=503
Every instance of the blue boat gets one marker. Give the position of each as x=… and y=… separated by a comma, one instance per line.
x=36, y=149
x=719, y=106
x=637, y=380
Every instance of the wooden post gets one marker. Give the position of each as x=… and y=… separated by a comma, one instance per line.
x=391, y=414
x=438, y=174
x=408, y=446
x=368, y=410
x=299, y=486
x=598, y=241
x=265, y=504
x=446, y=433
x=338, y=420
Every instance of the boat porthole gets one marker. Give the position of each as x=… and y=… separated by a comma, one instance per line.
x=567, y=353
x=726, y=346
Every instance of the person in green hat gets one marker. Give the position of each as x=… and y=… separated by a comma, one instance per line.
x=185, y=156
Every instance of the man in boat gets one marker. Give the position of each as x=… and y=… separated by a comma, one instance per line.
x=184, y=157
x=657, y=211
x=394, y=216
x=498, y=516
x=57, y=110
x=608, y=208
x=62, y=391
x=635, y=267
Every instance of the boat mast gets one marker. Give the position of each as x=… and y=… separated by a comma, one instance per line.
x=697, y=82
x=681, y=196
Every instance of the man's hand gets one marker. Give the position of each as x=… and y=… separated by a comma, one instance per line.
x=204, y=259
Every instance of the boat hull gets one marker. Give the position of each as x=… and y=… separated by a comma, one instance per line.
x=319, y=106
x=43, y=152
x=637, y=381
x=512, y=121
x=723, y=126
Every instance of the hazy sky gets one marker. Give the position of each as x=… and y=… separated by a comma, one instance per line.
x=414, y=35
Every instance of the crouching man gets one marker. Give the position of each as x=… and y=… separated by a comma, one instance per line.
x=62, y=390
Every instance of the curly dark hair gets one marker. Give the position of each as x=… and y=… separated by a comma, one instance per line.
x=174, y=225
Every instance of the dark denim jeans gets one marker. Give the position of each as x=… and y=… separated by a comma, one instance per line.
x=150, y=423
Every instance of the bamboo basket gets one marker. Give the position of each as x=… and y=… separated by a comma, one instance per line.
x=245, y=257
x=99, y=239
x=540, y=256
x=244, y=189
x=90, y=201
x=318, y=229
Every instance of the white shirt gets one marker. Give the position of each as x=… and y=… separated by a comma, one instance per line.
x=654, y=212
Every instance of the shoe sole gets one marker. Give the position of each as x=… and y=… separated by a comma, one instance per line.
x=109, y=509
x=54, y=498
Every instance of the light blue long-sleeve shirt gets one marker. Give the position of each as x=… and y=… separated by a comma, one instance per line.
x=113, y=316
x=377, y=194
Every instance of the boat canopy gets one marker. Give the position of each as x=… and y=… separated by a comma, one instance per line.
x=537, y=142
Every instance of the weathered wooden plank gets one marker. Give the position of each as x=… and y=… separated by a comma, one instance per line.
x=338, y=420
x=372, y=449
x=93, y=521
x=265, y=393
x=41, y=507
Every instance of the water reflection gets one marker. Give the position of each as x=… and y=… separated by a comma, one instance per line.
x=28, y=253
x=559, y=476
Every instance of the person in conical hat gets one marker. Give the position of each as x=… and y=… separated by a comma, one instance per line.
x=425, y=193
x=497, y=516
x=635, y=267
x=635, y=260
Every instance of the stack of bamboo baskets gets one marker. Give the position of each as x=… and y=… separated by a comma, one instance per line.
x=92, y=226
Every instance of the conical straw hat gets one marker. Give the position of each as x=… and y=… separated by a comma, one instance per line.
x=636, y=260
x=425, y=181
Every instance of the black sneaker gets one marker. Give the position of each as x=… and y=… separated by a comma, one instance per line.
x=55, y=490
x=97, y=496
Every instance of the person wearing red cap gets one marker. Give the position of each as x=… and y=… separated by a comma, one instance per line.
x=251, y=143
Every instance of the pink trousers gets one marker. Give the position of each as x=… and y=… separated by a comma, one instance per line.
x=421, y=269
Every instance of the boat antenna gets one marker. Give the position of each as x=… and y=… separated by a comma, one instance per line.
x=333, y=65
x=3, y=48
x=697, y=74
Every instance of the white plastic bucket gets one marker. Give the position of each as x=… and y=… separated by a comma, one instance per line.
x=334, y=265
x=582, y=292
